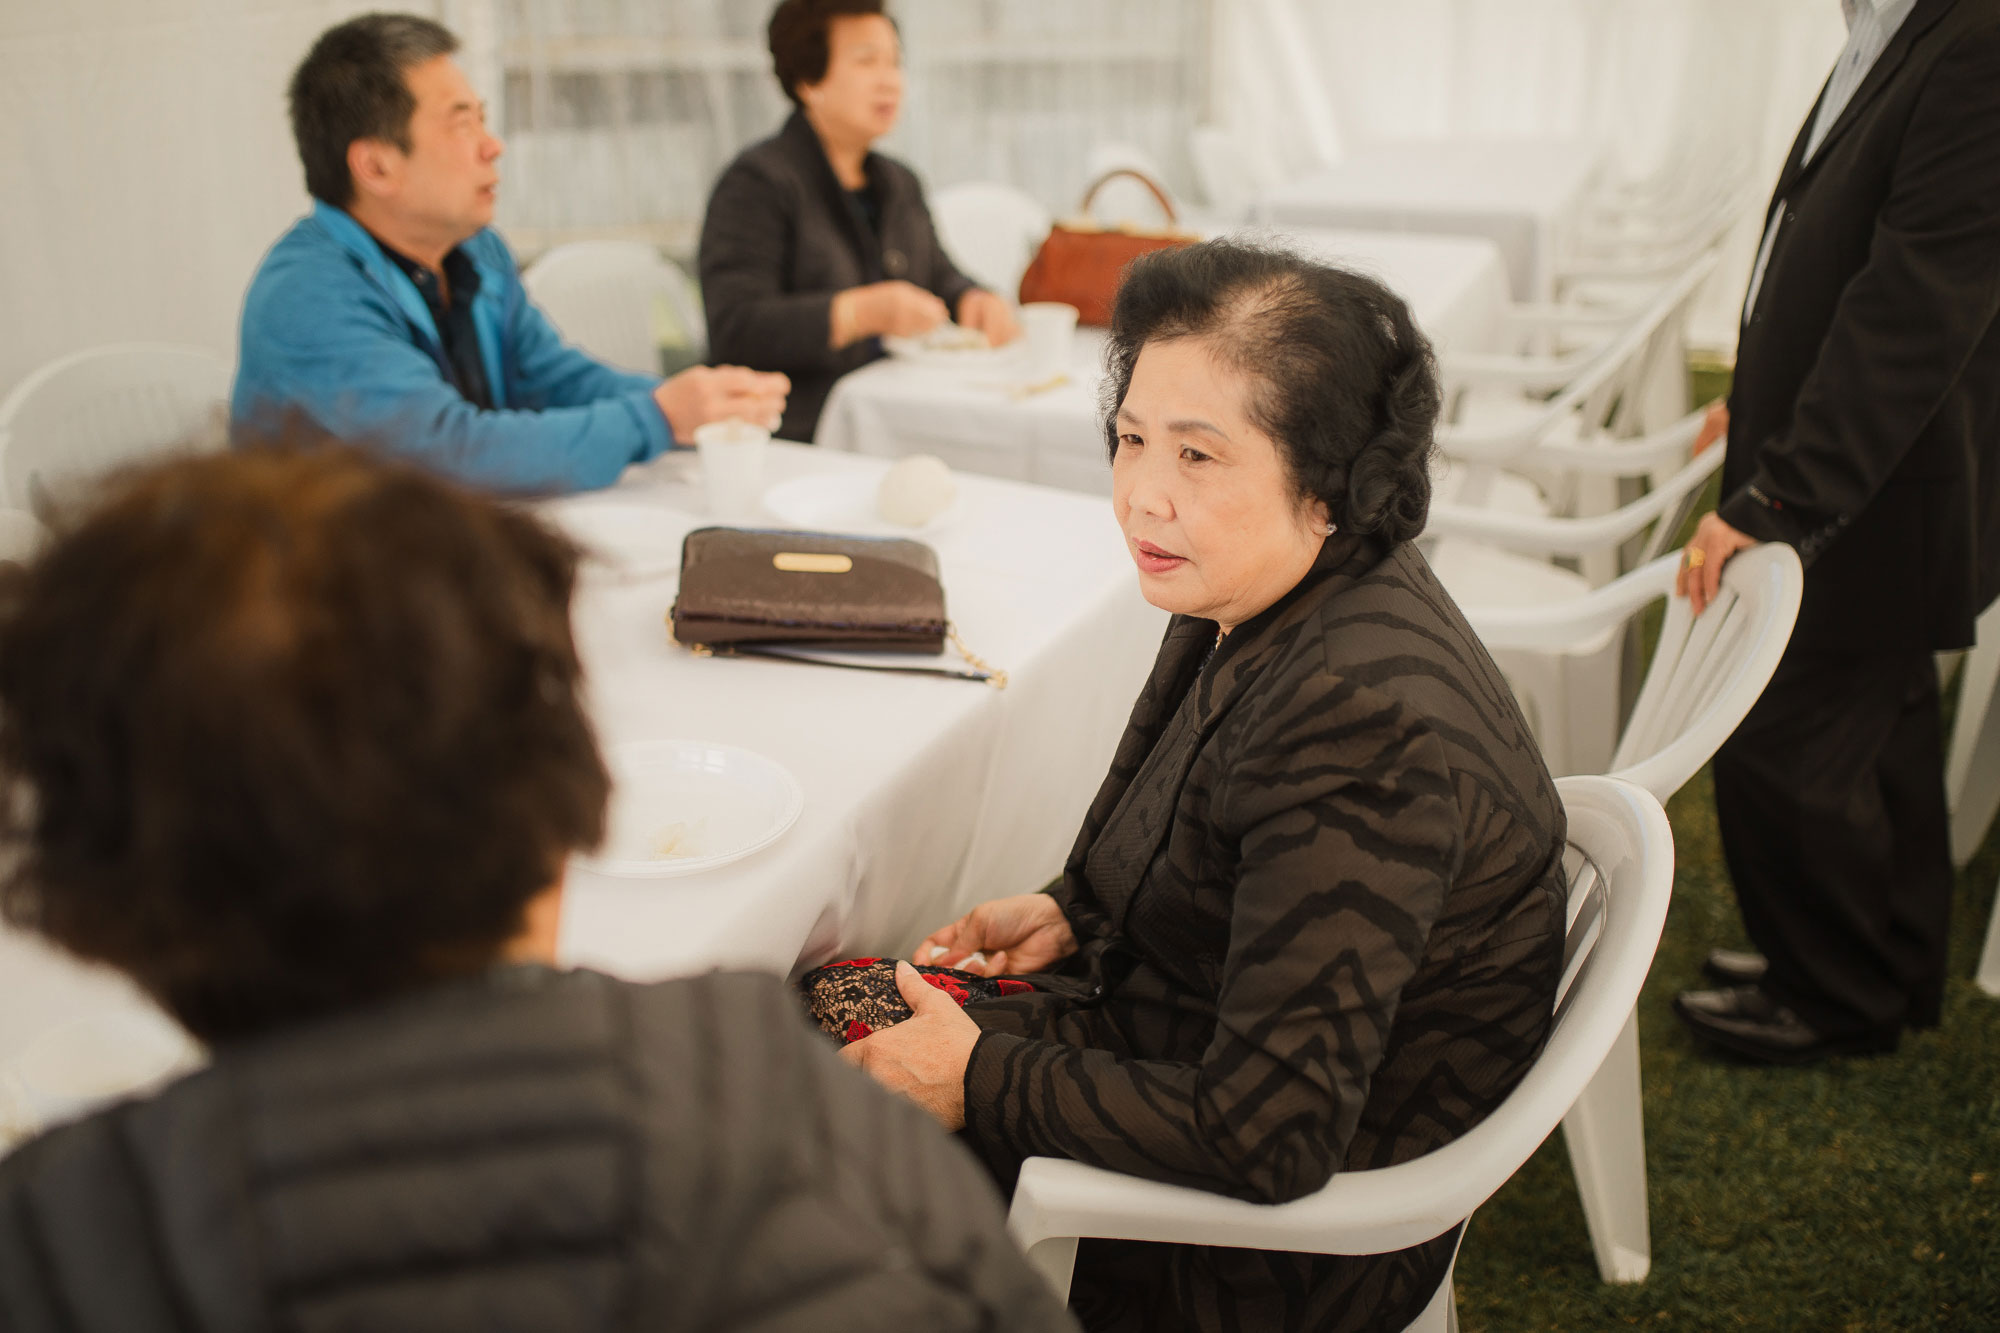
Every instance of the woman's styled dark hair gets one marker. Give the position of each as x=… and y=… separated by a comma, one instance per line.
x=798, y=37
x=350, y=86
x=285, y=731
x=1342, y=379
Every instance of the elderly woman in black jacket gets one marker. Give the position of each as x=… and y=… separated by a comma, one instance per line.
x=1314, y=920
x=815, y=246
x=295, y=741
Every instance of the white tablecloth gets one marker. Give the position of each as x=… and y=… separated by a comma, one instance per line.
x=1521, y=194
x=979, y=421
x=924, y=796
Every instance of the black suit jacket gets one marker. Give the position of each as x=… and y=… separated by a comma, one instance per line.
x=780, y=240
x=1866, y=405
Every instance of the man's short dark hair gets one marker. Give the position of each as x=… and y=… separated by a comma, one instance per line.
x=798, y=36
x=1341, y=378
x=351, y=86
x=288, y=731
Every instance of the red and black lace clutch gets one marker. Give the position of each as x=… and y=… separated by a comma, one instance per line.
x=852, y=999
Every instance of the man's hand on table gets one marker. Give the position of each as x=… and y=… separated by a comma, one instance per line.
x=702, y=394
x=1023, y=933
x=983, y=312
x=924, y=1056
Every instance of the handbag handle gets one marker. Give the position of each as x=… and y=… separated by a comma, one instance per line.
x=1166, y=204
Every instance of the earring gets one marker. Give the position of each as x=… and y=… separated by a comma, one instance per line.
x=1328, y=530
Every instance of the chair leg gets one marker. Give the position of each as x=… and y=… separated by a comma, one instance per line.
x=1441, y=1315
x=1972, y=759
x=1989, y=957
x=1606, y=1134
x=1055, y=1259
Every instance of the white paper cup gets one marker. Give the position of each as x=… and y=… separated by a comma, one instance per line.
x=732, y=466
x=1049, y=327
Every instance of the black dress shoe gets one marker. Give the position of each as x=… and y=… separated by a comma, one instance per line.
x=1747, y=1022
x=1735, y=967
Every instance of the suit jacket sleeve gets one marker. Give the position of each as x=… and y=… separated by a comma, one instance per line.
x=1907, y=322
x=752, y=320
x=1341, y=803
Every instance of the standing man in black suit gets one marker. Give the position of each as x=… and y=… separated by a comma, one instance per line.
x=1863, y=425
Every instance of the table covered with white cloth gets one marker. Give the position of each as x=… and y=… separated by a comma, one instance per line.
x=990, y=418
x=923, y=795
x=1524, y=195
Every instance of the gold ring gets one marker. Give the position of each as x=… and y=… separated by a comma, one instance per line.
x=1696, y=557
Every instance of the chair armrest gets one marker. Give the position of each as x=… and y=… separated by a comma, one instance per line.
x=1358, y=1212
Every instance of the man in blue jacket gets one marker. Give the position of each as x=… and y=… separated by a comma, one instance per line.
x=393, y=313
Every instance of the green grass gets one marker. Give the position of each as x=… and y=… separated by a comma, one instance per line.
x=1857, y=1196
x=1863, y=1194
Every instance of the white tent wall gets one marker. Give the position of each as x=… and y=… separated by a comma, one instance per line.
x=1635, y=77
x=148, y=164
x=146, y=167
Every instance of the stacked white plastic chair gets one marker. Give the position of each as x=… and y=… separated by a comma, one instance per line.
x=1972, y=770
x=990, y=231
x=86, y=414
x=1706, y=674
x=1621, y=865
x=1492, y=558
x=619, y=301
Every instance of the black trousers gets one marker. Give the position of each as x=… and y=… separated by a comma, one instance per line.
x=1831, y=802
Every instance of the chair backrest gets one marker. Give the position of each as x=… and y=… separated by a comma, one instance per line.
x=619, y=301
x=1706, y=672
x=990, y=231
x=1609, y=379
x=86, y=414
x=1657, y=513
x=1709, y=670
x=1620, y=861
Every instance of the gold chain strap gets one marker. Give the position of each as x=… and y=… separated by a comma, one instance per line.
x=994, y=675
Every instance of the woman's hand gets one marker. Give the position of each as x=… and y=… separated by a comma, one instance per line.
x=1699, y=578
x=924, y=1056
x=896, y=309
x=1024, y=933
x=983, y=312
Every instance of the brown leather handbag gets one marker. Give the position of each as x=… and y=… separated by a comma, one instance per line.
x=1081, y=263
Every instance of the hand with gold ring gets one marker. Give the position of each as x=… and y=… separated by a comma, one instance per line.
x=1699, y=578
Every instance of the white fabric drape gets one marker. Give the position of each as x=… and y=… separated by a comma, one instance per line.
x=1644, y=79
x=619, y=114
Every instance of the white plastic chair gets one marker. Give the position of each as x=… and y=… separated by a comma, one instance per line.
x=991, y=231
x=1591, y=400
x=1972, y=755
x=20, y=536
x=1707, y=673
x=619, y=301
x=1621, y=865
x=88, y=413
x=1489, y=558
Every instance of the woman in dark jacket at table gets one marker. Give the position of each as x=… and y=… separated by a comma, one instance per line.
x=1314, y=920
x=295, y=740
x=814, y=246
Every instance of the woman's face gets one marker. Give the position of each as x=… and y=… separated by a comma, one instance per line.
x=1201, y=494
x=862, y=94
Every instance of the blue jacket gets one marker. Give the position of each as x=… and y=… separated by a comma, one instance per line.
x=334, y=331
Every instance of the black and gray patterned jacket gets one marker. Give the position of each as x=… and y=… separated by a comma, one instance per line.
x=1320, y=902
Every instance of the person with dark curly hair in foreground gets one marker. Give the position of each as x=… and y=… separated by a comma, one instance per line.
x=294, y=739
x=1314, y=920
